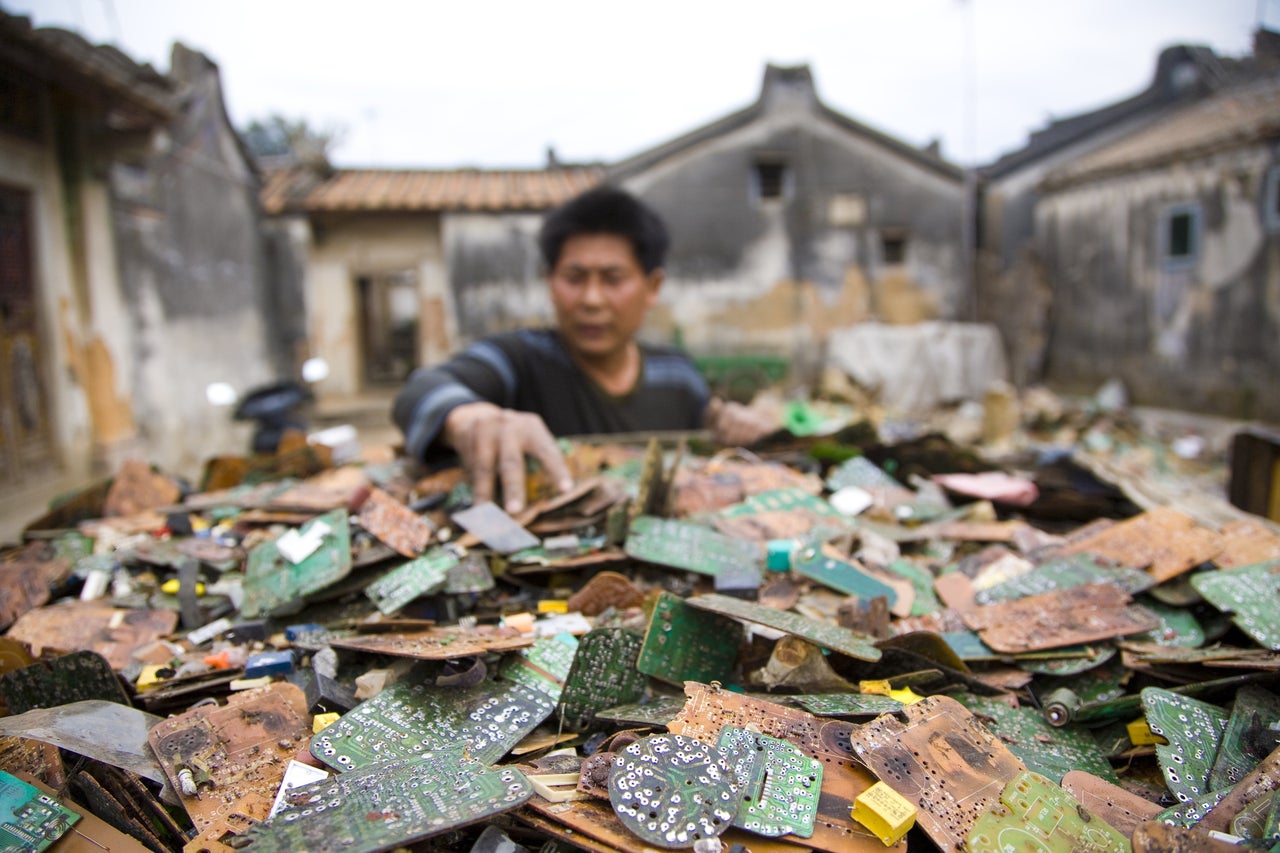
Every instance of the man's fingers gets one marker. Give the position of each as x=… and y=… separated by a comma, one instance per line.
x=486, y=434
x=511, y=469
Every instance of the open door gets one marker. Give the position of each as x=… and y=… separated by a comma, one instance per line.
x=25, y=445
x=388, y=326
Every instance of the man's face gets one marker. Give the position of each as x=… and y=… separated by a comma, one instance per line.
x=601, y=295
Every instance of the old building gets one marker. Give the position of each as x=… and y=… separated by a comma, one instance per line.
x=403, y=266
x=1012, y=289
x=1163, y=253
x=790, y=220
x=133, y=272
x=1132, y=242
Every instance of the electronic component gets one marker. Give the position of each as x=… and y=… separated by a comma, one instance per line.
x=683, y=643
x=1041, y=816
x=71, y=678
x=390, y=804
x=672, y=790
x=847, y=704
x=1249, y=593
x=691, y=547
x=1249, y=736
x=842, y=575
x=709, y=709
x=274, y=580
x=408, y=719
x=1082, y=614
x=885, y=812
x=1119, y=808
x=1048, y=750
x=1164, y=541
x=603, y=675
x=940, y=757
x=29, y=818
x=820, y=634
x=779, y=785
x=544, y=665
x=499, y=531
x=1194, y=731
x=226, y=762
x=1064, y=573
x=403, y=584
x=394, y=524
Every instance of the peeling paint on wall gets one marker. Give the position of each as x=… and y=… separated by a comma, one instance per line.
x=92, y=366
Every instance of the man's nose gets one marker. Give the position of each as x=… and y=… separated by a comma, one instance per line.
x=594, y=292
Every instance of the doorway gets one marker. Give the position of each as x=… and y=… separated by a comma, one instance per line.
x=25, y=445
x=389, y=326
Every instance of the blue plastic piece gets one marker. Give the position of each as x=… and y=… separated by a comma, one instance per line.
x=269, y=663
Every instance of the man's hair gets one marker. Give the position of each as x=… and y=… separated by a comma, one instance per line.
x=606, y=210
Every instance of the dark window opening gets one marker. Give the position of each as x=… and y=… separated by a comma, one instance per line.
x=771, y=179
x=893, y=246
x=1181, y=237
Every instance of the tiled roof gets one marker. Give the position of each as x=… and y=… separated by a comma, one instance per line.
x=419, y=190
x=1237, y=116
x=136, y=93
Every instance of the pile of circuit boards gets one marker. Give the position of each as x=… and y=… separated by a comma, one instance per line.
x=828, y=648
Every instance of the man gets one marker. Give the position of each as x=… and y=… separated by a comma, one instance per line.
x=505, y=397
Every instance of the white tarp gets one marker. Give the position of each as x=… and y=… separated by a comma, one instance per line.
x=918, y=367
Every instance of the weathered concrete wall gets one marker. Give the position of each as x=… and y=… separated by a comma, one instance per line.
x=193, y=305
x=64, y=336
x=779, y=274
x=495, y=272
x=346, y=248
x=1199, y=336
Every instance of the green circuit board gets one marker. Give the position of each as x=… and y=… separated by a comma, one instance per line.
x=1250, y=593
x=673, y=790
x=921, y=580
x=1178, y=625
x=1065, y=573
x=1034, y=813
x=272, y=581
x=683, y=643
x=409, y=719
x=861, y=472
x=421, y=576
x=1072, y=660
x=543, y=666
x=603, y=675
x=847, y=704
x=388, y=805
x=1193, y=810
x=1194, y=730
x=691, y=547
x=30, y=820
x=841, y=575
x=831, y=637
x=779, y=785
x=1248, y=737
x=658, y=711
x=1048, y=750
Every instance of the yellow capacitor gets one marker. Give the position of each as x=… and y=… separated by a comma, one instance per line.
x=885, y=812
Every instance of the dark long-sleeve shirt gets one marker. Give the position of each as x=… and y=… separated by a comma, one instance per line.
x=531, y=371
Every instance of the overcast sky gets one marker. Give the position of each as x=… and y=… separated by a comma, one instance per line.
x=493, y=84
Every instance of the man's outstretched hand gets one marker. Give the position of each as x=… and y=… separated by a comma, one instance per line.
x=493, y=441
x=737, y=425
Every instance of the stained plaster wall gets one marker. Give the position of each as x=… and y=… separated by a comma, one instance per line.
x=1199, y=337
x=495, y=272
x=345, y=248
x=751, y=274
x=194, y=282
x=63, y=325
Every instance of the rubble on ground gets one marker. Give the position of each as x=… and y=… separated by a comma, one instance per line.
x=1026, y=619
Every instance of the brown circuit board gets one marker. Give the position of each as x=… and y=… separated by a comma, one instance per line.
x=226, y=762
x=395, y=524
x=435, y=644
x=709, y=709
x=1163, y=541
x=1064, y=617
x=943, y=759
